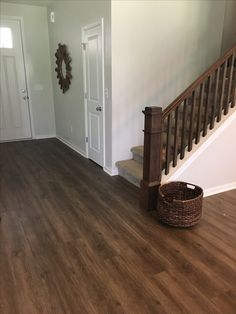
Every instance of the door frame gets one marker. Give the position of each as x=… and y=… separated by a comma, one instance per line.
x=100, y=23
x=23, y=41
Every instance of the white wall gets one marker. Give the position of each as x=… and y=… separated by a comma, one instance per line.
x=38, y=67
x=213, y=168
x=69, y=107
x=229, y=31
x=158, y=49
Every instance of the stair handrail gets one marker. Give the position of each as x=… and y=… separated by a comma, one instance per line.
x=172, y=106
x=155, y=118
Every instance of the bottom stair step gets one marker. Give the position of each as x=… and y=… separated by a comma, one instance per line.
x=137, y=152
x=131, y=170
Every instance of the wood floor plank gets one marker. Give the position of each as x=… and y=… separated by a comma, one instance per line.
x=184, y=295
x=226, y=302
x=74, y=240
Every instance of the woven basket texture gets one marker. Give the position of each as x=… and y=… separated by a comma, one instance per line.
x=180, y=204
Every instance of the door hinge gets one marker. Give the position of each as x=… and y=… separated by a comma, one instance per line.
x=84, y=46
x=86, y=139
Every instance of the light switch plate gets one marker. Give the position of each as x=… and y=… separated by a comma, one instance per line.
x=52, y=17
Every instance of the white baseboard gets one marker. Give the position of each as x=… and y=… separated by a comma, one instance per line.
x=111, y=172
x=43, y=136
x=219, y=189
x=72, y=146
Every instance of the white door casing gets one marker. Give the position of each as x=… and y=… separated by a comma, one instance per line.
x=14, y=107
x=93, y=56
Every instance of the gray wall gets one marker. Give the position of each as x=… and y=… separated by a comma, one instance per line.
x=38, y=66
x=158, y=49
x=229, y=31
x=69, y=107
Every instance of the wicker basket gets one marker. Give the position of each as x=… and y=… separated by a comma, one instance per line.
x=180, y=204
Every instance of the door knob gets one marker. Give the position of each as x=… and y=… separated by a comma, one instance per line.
x=99, y=108
x=23, y=91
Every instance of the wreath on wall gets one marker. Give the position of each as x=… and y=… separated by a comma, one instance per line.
x=63, y=68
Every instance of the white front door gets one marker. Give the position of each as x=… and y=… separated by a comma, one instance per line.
x=14, y=107
x=94, y=87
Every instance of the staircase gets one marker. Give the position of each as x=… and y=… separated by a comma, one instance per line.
x=169, y=134
x=132, y=170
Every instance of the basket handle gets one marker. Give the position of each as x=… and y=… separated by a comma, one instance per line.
x=191, y=186
x=188, y=185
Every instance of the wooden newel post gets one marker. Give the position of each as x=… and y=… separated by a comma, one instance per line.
x=152, y=157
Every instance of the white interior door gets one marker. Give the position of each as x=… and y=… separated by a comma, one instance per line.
x=94, y=87
x=14, y=107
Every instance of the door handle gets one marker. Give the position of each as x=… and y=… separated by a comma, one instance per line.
x=99, y=108
x=26, y=97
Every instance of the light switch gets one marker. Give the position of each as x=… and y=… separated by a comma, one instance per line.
x=52, y=17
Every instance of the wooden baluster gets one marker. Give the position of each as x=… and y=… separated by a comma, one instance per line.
x=176, y=140
x=152, y=158
x=199, y=119
x=182, y=153
x=213, y=117
x=168, y=144
x=191, y=127
x=206, y=115
x=234, y=86
x=234, y=94
x=229, y=85
x=222, y=93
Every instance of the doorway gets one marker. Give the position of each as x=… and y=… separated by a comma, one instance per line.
x=14, y=105
x=93, y=65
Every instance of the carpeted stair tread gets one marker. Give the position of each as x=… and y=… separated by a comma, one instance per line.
x=131, y=170
x=137, y=152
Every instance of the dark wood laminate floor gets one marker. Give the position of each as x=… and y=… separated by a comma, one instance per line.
x=74, y=240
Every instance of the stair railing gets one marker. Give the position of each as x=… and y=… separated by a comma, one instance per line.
x=168, y=133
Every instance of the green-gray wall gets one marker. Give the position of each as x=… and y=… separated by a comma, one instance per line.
x=70, y=17
x=229, y=30
x=158, y=49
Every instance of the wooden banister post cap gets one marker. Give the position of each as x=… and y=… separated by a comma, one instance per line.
x=152, y=111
